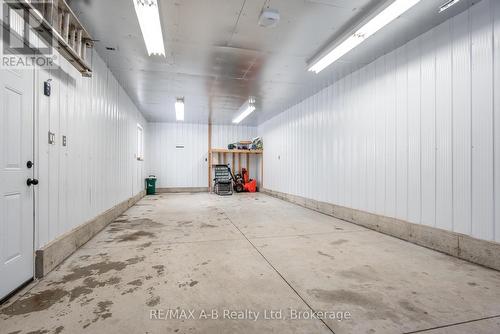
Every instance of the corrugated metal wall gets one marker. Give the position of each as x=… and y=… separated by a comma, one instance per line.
x=187, y=167
x=177, y=154
x=222, y=135
x=98, y=168
x=414, y=135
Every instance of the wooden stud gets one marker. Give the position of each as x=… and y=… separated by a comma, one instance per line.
x=239, y=163
x=248, y=164
x=210, y=159
x=232, y=164
x=262, y=171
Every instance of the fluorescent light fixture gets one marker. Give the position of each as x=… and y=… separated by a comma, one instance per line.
x=149, y=19
x=246, y=109
x=447, y=5
x=179, y=109
x=394, y=10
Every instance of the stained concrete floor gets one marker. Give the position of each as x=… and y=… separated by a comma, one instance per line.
x=201, y=252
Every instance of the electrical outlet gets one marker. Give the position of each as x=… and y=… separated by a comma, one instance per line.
x=64, y=141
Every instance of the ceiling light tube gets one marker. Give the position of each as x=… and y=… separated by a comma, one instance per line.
x=148, y=15
x=246, y=109
x=447, y=5
x=179, y=109
x=394, y=10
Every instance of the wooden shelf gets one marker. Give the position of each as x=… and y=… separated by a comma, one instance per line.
x=220, y=156
x=223, y=150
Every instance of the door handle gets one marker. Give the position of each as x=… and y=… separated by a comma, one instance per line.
x=31, y=182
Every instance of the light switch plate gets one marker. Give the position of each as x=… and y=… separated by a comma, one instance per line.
x=52, y=138
x=46, y=88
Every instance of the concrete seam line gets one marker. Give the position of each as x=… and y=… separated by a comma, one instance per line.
x=158, y=243
x=307, y=234
x=276, y=270
x=454, y=324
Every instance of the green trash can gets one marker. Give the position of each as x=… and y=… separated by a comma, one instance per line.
x=151, y=185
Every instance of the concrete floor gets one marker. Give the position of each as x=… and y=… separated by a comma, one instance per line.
x=252, y=252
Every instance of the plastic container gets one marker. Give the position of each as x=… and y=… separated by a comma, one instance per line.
x=151, y=185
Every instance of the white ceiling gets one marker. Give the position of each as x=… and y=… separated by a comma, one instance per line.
x=218, y=56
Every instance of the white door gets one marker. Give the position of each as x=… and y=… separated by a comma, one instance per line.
x=16, y=196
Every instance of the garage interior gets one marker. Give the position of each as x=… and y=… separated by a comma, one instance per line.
x=250, y=166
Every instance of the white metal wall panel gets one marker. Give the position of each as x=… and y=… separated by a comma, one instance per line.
x=293, y=144
x=222, y=135
x=347, y=142
x=63, y=167
x=311, y=116
x=356, y=139
x=371, y=117
x=308, y=143
x=177, y=154
x=285, y=159
x=444, y=123
x=363, y=138
x=428, y=129
x=353, y=143
x=42, y=161
x=390, y=136
x=317, y=195
x=496, y=142
x=402, y=134
x=341, y=129
x=461, y=75
x=53, y=162
x=380, y=133
x=482, y=121
x=98, y=167
x=290, y=154
x=413, y=135
x=414, y=155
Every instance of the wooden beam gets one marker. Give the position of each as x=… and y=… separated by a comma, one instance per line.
x=223, y=150
x=210, y=159
x=232, y=164
x=262, y=171
x=239, y=163
x=248, y=164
